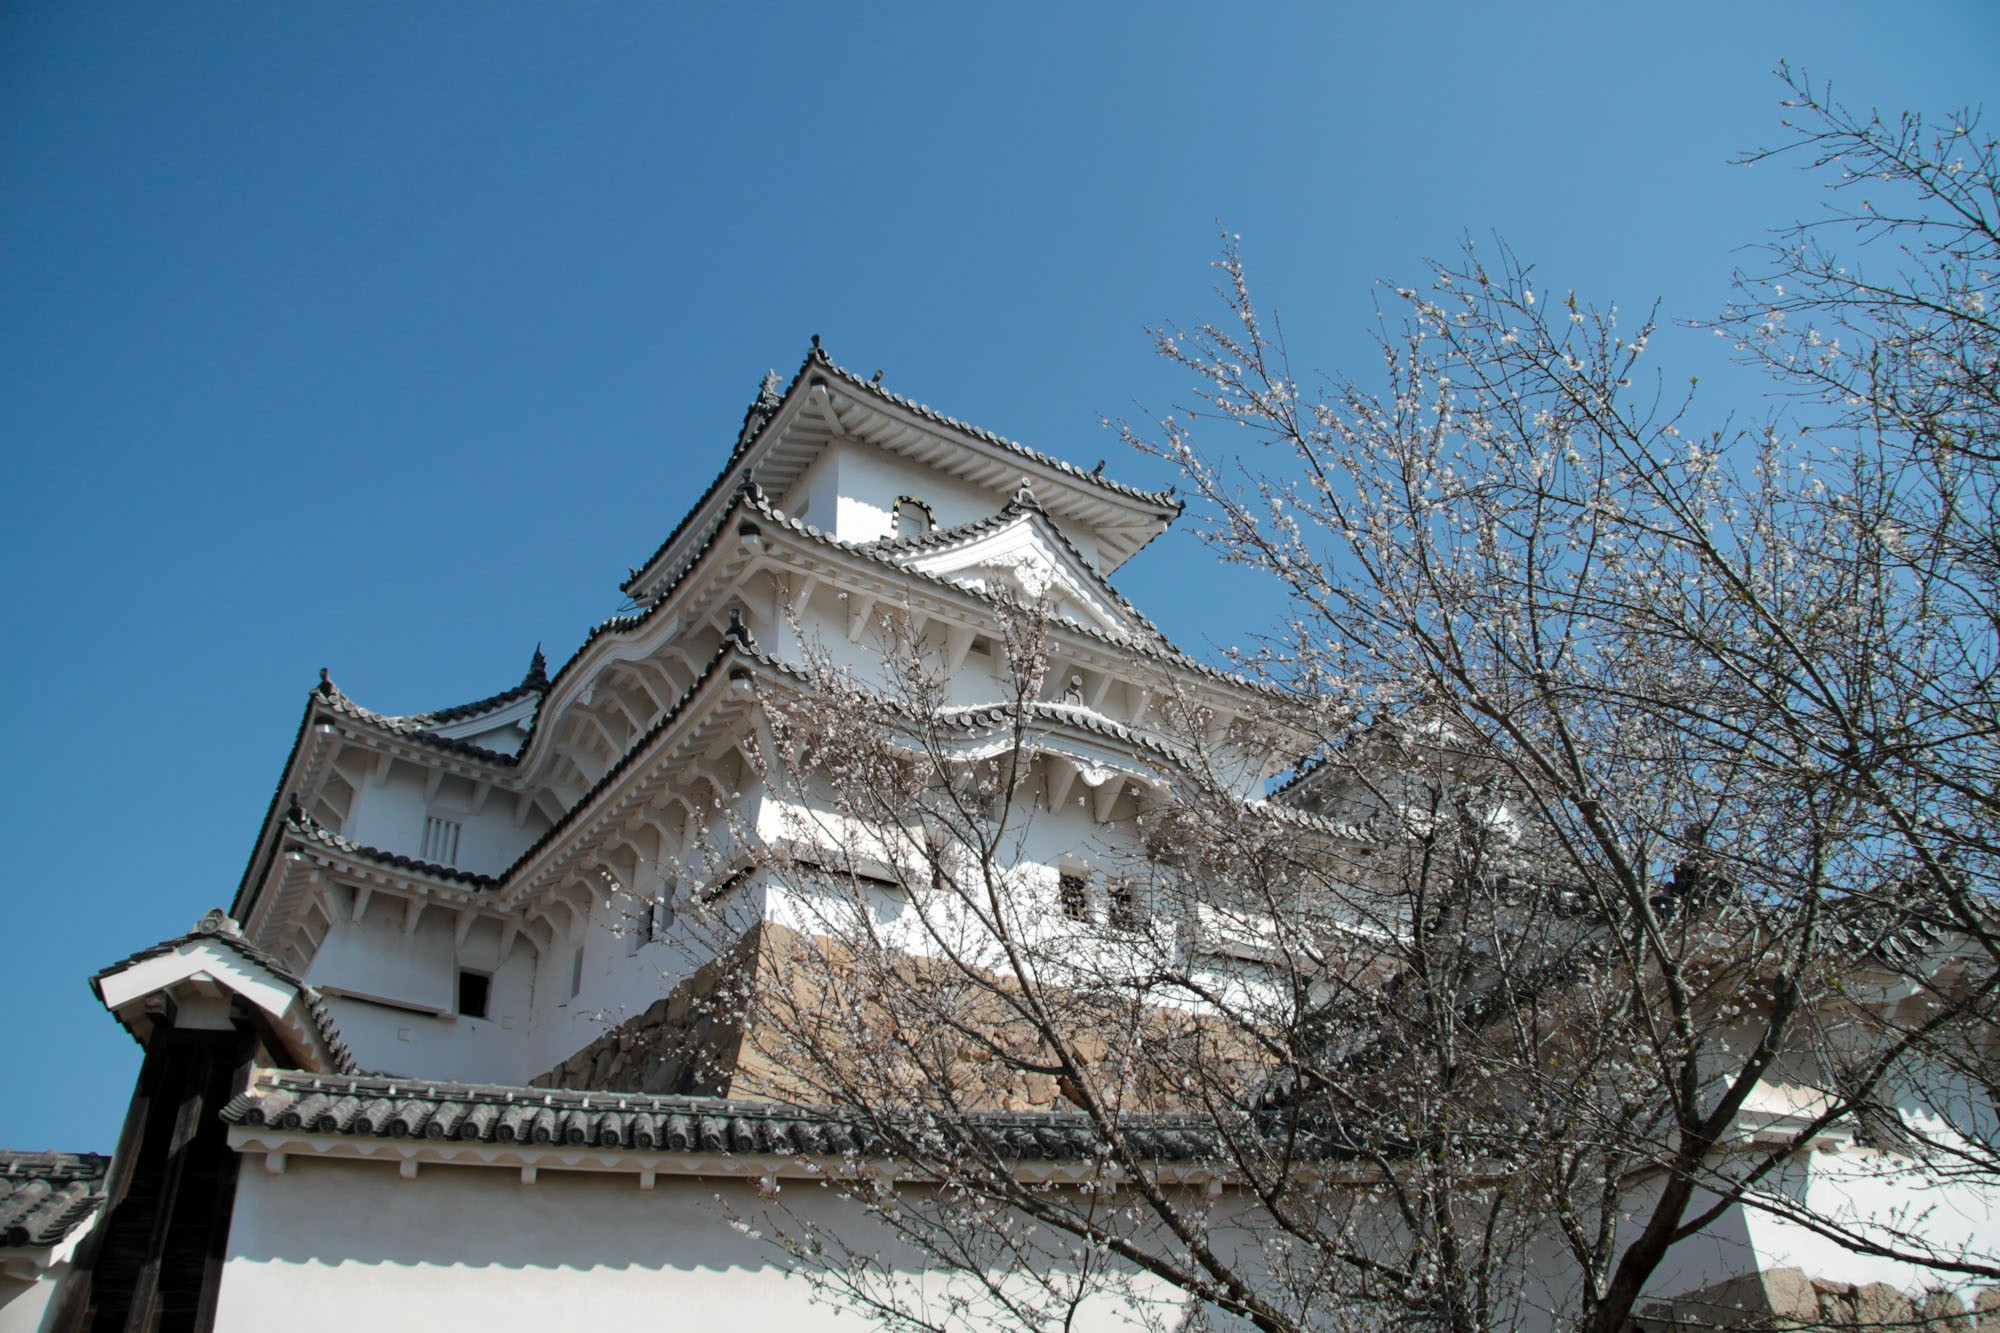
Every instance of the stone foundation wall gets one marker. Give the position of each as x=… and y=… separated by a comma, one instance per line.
x=689, y=1042
x=754, y=1025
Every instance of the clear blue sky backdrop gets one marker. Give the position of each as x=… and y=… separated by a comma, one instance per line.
x=385, y=338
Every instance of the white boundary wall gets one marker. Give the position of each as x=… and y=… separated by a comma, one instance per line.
x=345, y=1245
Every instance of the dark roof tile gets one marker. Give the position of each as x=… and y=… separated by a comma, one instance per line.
x=46, y=1195
x=487, y=1113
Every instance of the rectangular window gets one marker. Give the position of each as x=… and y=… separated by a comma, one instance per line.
x=475, y=991
x=1073, y=893
x=441, y=840
x=576, y=974
x=654, y=919
x=1122, y=909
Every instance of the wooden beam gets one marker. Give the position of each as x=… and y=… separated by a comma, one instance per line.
x=412, y=914
x=689, y=663
x=543, y=940
x=957, y=643
x=642, y=677
x=1094, y=701
x=1142, y=699
x=617, y=746
x=362, y=893
x=858, y=610
x=799, y=596
x=1059, y=775
x=383, y=763
x=1106, y=798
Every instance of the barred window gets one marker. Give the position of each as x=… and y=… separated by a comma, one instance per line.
x=1123, y=909
x=1073, y=893
x=441, y=840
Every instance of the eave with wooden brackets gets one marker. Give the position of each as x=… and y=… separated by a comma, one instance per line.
x=319, y=883
x=688, y=773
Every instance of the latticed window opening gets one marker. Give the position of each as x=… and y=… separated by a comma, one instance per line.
x=1073, y=893
x=1122, y=907
x=441, y=840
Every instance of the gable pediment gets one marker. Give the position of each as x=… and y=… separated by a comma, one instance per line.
x=1020, y=552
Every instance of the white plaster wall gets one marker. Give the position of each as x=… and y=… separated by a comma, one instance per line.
x=1044, y=844
x=984, y=676
x=812, y=497
x=390, y=815
x=623, y=974
x=822, y=633
x=351, y=1245
x=340, y=1244
x=850, y=491
x=374, y=958
x=869, y=480
x=624, y=970
x=1864, y=1188
x=24, y=1305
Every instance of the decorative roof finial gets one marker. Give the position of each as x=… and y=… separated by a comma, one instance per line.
x=739, y=631
x=294, y=812
x=1098, y=471
x=326, y=685
x=876, y=379
x=215, y=921
x=538, y=670
x=1026, y=495
x=767, y=392
x=815, y=342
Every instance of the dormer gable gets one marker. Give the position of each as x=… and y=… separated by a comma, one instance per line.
x=1020, y=552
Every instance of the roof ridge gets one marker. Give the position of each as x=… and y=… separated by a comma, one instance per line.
x=1165, y=499
x=536, y=681
x=417, y=726
x=766, y=409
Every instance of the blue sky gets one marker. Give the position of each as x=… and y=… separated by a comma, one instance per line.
x=384, y=338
